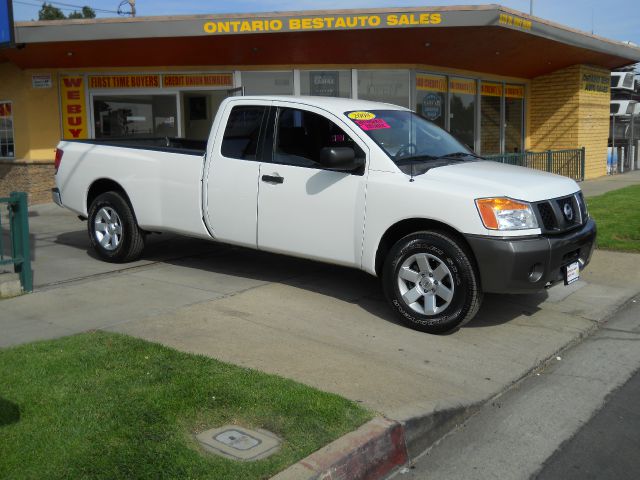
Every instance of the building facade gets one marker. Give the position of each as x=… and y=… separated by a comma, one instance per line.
x=497, y=79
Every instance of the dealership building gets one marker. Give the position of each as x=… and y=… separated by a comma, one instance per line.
x=499, y=80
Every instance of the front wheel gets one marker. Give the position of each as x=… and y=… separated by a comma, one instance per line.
x=113, y=231
x=431, y=283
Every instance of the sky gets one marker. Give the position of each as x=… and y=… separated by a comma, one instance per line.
x=614, y=19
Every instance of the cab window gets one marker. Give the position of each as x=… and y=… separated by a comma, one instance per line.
x=301, y=135
x=242, y=132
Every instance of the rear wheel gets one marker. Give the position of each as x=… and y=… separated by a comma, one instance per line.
x=113, y=231
x=431, y=283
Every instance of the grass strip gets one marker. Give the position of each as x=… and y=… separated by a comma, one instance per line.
x=617, y=214
x=103, y=405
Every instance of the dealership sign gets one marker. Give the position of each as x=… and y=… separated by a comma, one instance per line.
x=6, y=24
x=322, y=22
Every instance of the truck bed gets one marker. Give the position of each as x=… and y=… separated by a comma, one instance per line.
x=161, y=178
x=158, y=144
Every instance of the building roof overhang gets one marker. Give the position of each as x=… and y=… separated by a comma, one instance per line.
x=486, y=38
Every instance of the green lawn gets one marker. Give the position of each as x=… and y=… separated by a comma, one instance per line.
x=617, y=214
x=101, y=405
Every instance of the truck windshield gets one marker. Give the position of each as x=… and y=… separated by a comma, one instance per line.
x=407, y=137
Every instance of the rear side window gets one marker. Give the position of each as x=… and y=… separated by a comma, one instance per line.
x=242, y=132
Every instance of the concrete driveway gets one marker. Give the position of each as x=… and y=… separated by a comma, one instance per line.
x=321, y=325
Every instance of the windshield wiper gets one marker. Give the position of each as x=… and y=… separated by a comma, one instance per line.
x=460, y=154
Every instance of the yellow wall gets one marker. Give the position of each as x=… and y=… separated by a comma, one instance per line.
x=36, y=114
x=593, y=131
x=564, y=115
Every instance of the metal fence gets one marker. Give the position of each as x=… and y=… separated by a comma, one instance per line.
x=624, y=144
x=569, y=163
x=19, y=255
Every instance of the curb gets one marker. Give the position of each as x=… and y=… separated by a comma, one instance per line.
x=372, y=451
x=423, y=431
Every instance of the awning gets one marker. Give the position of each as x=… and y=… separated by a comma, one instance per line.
x=489, y=38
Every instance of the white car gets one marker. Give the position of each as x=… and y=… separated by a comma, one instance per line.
x=362, y=184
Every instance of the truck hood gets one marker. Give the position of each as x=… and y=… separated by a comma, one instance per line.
x=493, y=179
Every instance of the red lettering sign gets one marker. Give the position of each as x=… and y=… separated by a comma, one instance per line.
x=72, y=82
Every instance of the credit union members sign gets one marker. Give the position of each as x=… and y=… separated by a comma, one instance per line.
x=319, y=22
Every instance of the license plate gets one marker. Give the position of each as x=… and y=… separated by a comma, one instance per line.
x=571, y=273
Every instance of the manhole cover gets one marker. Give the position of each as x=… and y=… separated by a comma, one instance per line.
x=239, y=443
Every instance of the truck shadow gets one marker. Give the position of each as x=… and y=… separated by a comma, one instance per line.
x=158, y=248
x=499, y=309
x=234, y=269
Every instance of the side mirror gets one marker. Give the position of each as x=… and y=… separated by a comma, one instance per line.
x=342, y=159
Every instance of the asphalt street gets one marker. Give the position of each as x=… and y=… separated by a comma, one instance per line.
x=576, y=418
x=607, y=447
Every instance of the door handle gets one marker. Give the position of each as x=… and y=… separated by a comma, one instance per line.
x=272, y=179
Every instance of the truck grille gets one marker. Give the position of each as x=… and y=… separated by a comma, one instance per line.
x=559, y=215
x=546, y=213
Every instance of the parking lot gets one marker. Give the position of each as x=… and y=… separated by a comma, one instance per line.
x=325, y=326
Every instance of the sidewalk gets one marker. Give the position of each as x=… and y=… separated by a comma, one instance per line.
x=605, y=184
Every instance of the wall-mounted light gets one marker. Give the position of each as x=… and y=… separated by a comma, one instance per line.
x=69, y=54
x=427, y=44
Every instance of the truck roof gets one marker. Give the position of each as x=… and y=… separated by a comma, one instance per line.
x=334, y=105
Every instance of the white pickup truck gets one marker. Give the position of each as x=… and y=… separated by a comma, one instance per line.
x=366, y=185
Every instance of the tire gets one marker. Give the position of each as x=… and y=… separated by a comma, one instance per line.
x=431, y=283
x=113, y=230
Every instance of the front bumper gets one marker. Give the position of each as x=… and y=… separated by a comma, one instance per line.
x=56, y=197
x=520, y=265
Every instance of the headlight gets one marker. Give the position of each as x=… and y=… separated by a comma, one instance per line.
x=506, y=214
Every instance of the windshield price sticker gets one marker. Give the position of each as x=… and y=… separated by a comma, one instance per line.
x=375, y=124
x=572, y=272
x=361, y=116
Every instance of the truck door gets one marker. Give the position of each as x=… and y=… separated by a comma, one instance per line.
x=232, y=172
x=305, y=209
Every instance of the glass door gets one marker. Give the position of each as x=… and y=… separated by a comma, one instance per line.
x=462, y=109
x=490, y=117
x=513, y=118
x=431, y=98
x=199, y=110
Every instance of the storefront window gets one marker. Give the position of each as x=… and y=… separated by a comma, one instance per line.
x=326, y=83
x=267, y=83
x=513, y=117
x=490, y=100
x=7, y=147
x=462, y=109
x=135, y=116
x=390, y=86
x=431, y=97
